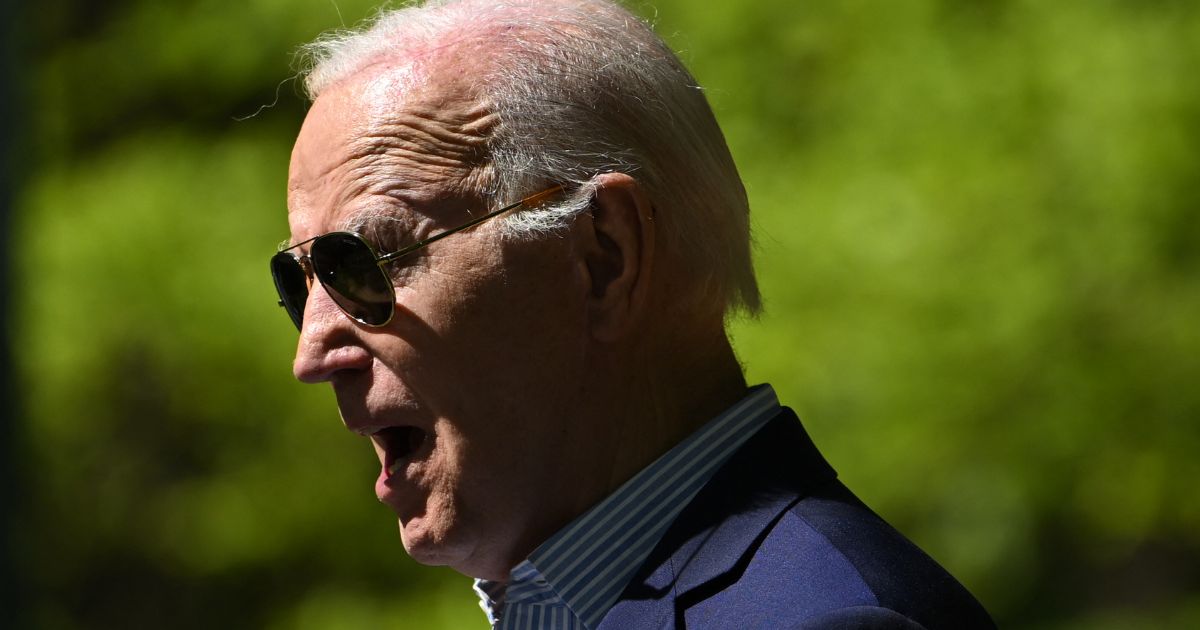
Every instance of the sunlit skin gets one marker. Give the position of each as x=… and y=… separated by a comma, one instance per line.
x=535, y=369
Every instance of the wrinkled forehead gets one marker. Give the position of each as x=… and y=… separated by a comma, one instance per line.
x=391, y=136
x=347, y=117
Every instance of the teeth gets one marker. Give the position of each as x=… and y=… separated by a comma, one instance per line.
x=401, y=443
x=395, y=467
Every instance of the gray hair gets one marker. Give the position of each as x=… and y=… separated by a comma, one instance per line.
x=580, y=88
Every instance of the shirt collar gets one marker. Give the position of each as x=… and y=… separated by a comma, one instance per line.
x=587, y=564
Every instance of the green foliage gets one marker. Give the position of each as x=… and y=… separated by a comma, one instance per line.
x=978, y=240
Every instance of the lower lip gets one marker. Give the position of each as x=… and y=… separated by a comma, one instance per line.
x=387, y=490
x=389, y=484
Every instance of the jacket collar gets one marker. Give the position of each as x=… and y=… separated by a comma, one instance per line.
x=713, y=539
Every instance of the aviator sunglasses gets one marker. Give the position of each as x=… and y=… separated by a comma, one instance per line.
x=352, y=273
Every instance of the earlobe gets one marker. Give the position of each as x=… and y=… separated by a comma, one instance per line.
x=619, y=255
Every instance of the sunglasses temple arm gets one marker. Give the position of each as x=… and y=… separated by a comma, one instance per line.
x=441, y=235
x=470, y=224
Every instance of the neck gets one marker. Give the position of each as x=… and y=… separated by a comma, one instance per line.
x=665, y=392
x=641, y=400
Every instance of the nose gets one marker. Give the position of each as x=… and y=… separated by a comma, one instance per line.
x=328, y=342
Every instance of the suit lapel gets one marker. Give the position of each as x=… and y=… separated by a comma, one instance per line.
x=714, y=538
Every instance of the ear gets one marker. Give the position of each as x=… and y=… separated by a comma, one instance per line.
x=618, y=250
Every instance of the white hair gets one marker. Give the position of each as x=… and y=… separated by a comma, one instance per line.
x=580, y=88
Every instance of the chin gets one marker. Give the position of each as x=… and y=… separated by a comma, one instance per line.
x=426, y=547
x=438, y=549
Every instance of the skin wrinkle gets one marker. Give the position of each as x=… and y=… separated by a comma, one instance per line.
x=413, y=143
x=367, y=163
x=364, y=167
x=448, y=135
x=444, y=133
x=452, y=147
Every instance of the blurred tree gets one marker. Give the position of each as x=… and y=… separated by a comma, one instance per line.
x=12, y=590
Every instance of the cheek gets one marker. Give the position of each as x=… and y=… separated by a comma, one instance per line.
x=511, y=350
x=509, y=313
x=528, y=330
x=495, y=343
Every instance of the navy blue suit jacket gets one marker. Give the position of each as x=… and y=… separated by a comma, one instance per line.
x=776, y=541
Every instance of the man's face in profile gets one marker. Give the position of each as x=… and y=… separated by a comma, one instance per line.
x=465, y=394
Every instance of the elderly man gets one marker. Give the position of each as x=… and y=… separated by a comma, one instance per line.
x=526, y=235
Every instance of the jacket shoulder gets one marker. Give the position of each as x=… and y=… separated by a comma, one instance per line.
x=829, y=561
x=774, y=540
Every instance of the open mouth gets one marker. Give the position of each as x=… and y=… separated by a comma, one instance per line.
x=399, y=445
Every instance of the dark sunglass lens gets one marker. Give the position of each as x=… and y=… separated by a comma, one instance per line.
x=349, y=271
x=292, y=285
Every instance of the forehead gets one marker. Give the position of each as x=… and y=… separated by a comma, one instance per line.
x=387, y=140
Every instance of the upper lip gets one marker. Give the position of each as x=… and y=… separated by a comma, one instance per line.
x=389, y=427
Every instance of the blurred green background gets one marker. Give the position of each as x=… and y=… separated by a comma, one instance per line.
x=978, y=236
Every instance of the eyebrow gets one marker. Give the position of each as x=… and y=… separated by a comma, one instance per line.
x=367, y=223
x=366, y=220
x=382, y=228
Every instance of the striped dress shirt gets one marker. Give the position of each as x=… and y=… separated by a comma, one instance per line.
x=573, y=579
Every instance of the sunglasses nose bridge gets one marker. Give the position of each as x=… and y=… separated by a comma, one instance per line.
x=321, y=311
